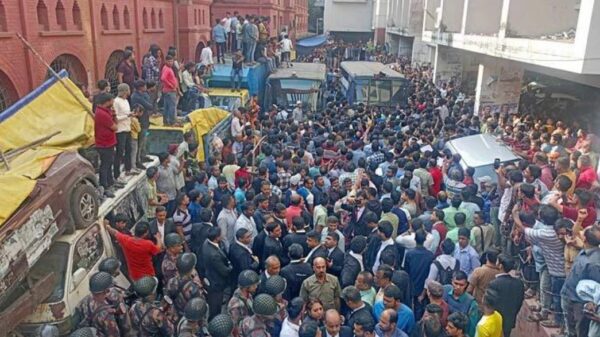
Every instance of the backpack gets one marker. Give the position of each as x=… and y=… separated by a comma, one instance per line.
x=445, y=275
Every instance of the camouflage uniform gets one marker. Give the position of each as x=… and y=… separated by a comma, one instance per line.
x=116, y=298
x=181, y=289
x=168, y=268
x=254, y=327
x=150, y=320
x=99, y=315
x=239, y=307
x=186, y=329
x=282, y=313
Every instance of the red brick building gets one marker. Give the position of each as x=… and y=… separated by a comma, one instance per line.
x=289, y=14
x=87, y=37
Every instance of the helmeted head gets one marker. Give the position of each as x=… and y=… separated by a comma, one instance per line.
x=248, y=279
x=145, y=286
x=265, y=305
x=84, y=332
x=172, y=240
x=110, y=265
x=275, y=285
x=195, y=309
x=186, y=262
x=100, y=282
x=220, y=326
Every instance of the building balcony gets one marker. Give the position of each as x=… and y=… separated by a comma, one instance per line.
x=559, y=34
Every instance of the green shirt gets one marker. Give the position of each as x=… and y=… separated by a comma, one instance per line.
x=328, y=292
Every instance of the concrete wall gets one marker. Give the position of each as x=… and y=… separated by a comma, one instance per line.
x=534, y=18
x=452, y=15
x=499, y=85
x=348, y=16
x=432, y=12
x=483, y=17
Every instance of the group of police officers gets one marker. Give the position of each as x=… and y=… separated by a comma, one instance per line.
x=181, y=310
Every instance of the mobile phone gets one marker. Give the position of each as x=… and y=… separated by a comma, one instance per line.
x=496, y=163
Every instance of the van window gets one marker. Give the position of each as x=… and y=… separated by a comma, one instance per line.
x=54, y=262
x=88, y=249
x=159, y=140
x=134, y=205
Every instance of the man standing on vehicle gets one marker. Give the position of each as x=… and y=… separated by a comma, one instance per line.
x=138, y=250
x=94, y=311
x=105, y=128
x=170, y=87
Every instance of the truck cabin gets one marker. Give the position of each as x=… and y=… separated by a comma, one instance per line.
x=303, y=82
x=161, y=137
x=373, y=83
x=219, y=85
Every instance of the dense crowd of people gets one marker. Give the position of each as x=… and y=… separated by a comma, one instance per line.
x=354, y=221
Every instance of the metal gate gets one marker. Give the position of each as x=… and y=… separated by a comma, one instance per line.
x=7, y=92
x=71, y=64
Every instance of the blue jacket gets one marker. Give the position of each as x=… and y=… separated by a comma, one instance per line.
x=219, y=35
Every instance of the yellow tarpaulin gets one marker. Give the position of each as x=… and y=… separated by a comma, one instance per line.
x=203, y=121
x=47, y=109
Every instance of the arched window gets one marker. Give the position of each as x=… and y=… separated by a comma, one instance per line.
x=3, y=27
x=77, y=16
x=145, y=18
x=153, y=18
x=116, y=19
x=161, y=19
x=126, y=21
x=104, y=18
x=203, y=17
x=61, y=18
x=195, y=17
x=8, y=92
x=42, y=15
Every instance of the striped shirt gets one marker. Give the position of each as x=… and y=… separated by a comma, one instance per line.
x=182, y=218
x=552, y=248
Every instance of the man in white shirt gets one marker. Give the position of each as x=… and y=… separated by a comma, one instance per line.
x=286, y=50
x=206, y=56
x=246, y=220
x=291, y=325
x=236, y=124
x=123, y=112
x=297, y=113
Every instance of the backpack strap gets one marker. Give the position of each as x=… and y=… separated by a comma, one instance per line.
x=440, y=269
x=90, y=314
x=482, y=241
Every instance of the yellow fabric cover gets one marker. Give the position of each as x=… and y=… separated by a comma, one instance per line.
x=204, y=120
x=53, y=109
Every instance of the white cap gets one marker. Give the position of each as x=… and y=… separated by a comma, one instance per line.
x=485, y=179
x=298, y=102
x=295, y=180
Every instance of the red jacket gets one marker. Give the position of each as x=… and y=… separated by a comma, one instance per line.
x=105, y=136
x=168, y=79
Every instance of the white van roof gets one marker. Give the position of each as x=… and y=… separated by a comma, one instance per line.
x=480, y=150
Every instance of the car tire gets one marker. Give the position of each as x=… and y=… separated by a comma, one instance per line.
x=84, y=205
